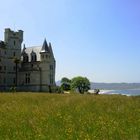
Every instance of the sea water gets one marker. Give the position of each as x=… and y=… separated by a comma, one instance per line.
x=127, y=92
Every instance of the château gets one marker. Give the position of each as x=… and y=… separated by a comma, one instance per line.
x=26, y=68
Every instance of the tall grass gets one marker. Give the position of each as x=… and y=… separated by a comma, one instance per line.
x=41, y=116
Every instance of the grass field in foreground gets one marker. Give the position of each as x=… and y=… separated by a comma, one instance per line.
x=38, y=116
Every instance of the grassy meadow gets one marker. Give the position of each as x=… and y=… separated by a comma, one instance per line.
x=40, y=116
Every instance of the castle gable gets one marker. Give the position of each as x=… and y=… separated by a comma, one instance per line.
x=36, y=50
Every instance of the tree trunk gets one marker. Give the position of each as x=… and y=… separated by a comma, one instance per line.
x=16, y=76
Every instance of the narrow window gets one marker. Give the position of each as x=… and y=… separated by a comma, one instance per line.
x=51, y=79
x=35, y=57
x=51, y=67
x=14, y=42
x=27, y=78
x=32, y=58
x=14, y=53
x=14, y=80
x=25, y=58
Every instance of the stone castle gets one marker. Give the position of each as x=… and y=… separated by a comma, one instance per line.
x=27, y=69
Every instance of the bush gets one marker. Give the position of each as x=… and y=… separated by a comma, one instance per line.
x=13, y=89
x=58, y=89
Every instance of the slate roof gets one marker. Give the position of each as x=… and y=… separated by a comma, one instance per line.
x=45, y=47
x=35, y=49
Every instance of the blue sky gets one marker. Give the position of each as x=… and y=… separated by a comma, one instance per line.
x=99, y=39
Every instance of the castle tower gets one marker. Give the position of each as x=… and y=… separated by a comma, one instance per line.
x=13, y=41
x=47, y=57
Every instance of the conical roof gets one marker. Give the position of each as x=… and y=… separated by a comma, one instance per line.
x=45, y=47
x=23, y=50
x=50, y=48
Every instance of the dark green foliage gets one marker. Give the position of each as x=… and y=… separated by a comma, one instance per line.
x=80, y=84
x=65, y=84
x=13, y=89
x=57, y=89
x=16, y=60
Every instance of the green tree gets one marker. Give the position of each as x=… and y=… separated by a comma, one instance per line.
x=80, y=84
x=65, y=83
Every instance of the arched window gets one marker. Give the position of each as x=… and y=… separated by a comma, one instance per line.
x=25, y=58
x=33, y=56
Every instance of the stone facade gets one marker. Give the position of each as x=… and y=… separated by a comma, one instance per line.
x=27, y=69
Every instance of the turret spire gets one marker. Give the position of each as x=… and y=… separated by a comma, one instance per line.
x=50, y=48
x=24, y=48
x=45, y=47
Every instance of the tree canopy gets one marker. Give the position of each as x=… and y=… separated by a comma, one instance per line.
x=65, y=83
x=81, y=84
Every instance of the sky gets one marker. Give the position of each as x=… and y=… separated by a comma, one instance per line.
x=97, y=39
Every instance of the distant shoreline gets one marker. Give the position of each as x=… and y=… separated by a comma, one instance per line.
x=127, y=92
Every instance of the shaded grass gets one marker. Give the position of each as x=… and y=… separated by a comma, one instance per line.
x=52, y=116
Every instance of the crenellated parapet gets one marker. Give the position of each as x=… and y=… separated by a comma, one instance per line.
x=13, y=38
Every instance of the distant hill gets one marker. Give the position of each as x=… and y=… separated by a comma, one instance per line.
x=58, y=83
x=112, y=86
x=115, y=86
